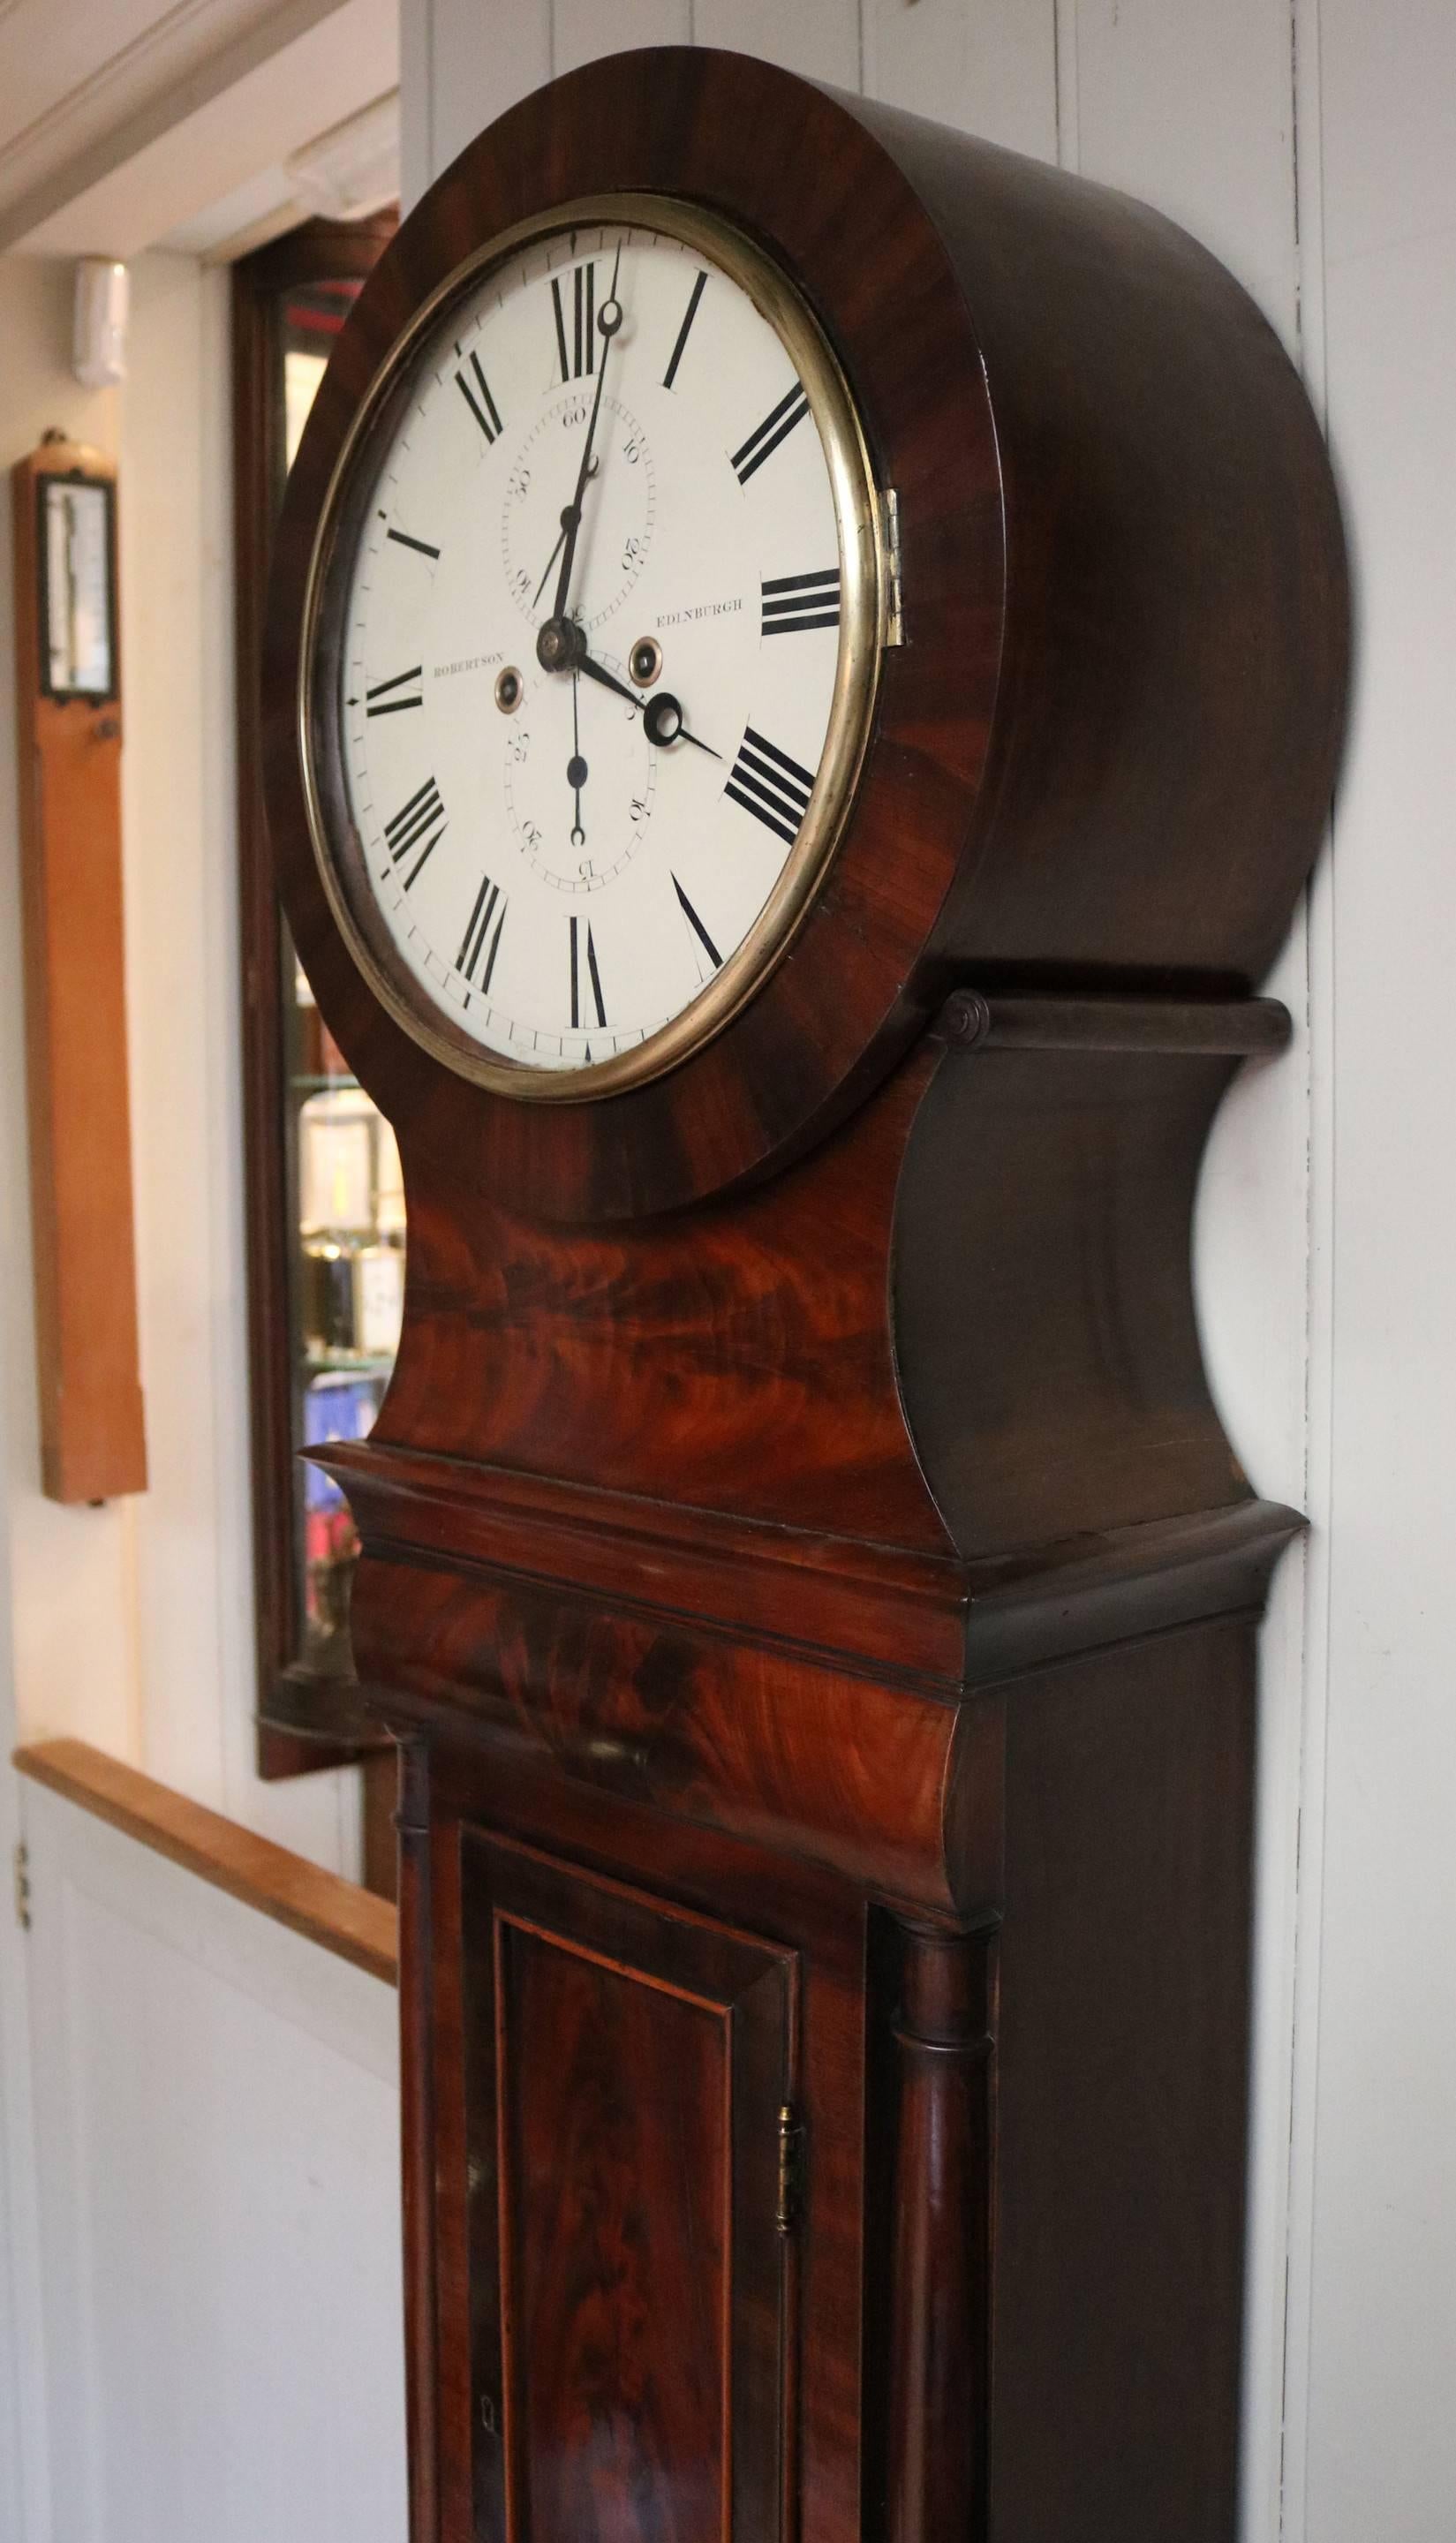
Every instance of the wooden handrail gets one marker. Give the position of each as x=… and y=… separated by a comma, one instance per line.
x=318, y=1904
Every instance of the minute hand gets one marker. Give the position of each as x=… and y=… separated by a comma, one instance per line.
x=608, y=322
x=650, y=708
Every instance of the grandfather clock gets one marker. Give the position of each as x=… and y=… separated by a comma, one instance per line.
x=803, y=678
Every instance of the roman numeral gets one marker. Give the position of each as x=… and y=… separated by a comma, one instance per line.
x=775, y=428
x=479, y=399
x=697, y=926
x=770, y=785
x=422, y=547
x=593, y=976
x=794, y=600
x=413, y=823
x=670, y=374
x=486, y=922
x=392, y=706
x=583, y=320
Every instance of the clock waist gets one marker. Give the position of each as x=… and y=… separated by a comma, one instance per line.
x=836, y=1700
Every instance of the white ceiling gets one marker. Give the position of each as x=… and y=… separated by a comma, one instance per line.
x=131, y=124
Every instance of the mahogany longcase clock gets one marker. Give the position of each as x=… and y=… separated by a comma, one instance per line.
x=803, y=678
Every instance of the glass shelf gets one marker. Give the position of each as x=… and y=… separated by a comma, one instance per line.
x=378, y=1364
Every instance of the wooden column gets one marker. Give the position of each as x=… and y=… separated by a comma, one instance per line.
x=940, y=2293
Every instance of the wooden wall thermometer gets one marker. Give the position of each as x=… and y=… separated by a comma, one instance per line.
x=69, y=755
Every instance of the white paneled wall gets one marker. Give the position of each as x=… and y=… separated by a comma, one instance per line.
x=1375, y=2298
x=216, y=2105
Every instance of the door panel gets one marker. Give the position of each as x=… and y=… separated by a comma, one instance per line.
x=627, y=2065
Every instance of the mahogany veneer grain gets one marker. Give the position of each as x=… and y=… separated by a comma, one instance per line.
x=799, y=1503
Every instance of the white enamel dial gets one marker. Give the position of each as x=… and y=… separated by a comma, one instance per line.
x=592, y=644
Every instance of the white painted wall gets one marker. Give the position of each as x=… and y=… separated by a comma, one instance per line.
x=1373, y=2352
x=192, y=1572
x=216, y=2115
x=133, y=1623
x=235, y=2131
x=25, y=2505
x=78, y=1563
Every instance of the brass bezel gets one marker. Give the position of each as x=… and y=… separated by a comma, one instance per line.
x=341, y=859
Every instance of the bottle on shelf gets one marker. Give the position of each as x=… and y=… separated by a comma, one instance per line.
x=336, y=1164
x=350, y=1299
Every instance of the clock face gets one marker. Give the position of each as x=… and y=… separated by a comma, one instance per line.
x=593, y=638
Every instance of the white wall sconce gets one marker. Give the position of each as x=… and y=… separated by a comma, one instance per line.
x=99, y=328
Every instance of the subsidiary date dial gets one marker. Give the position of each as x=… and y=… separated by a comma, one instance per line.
x=602, y=585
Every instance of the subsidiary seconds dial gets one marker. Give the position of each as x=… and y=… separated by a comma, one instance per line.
x=593, y=636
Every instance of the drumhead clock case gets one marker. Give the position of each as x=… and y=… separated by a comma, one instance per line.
x=802, y=683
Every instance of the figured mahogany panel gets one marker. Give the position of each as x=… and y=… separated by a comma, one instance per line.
x=735, y=1360
x=627, y=2066
x=892, y=1786
x=967, y=1324
x=799, y=1910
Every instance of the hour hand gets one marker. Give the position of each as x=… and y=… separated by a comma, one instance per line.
x=662, y=714
x=662, y=717
x=591, y=670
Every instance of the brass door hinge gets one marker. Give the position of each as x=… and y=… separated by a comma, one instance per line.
x=791, y=2169
x=890, y=549
x=23, y=1888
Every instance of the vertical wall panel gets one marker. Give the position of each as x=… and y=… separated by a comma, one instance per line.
x=986, y=65
x=481, y=61
x=818, y=38
x=417, y=101
x=1374, y=2450
x=1388, y=83
x=216, y=2107
x=1193, y=108
x=583, y=28
x=24, y=2504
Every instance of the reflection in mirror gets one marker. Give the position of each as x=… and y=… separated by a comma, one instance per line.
x=326, y=1216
